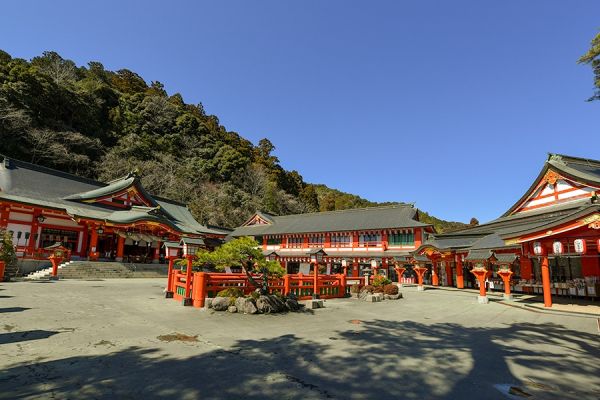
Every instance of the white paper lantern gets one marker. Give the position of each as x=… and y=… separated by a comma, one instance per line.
x=537, y=248
x=580, y=246
x=557, y=247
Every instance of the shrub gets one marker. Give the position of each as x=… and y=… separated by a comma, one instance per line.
x=355, y=289
x=378, y=289
x=380, y=280
x=231, y=292
x=368, y=288
x=390, y=289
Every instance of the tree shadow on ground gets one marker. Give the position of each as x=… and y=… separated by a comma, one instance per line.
x=371, y=360
x=14, y=337
x=13, y=309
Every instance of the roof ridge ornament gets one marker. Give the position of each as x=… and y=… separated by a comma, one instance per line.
x=557, y=158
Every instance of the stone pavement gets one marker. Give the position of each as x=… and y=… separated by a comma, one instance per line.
x=118, y=339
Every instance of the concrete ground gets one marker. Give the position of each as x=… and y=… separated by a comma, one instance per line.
x=110, y=340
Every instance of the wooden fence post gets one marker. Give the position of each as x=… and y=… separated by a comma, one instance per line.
x=286, y=284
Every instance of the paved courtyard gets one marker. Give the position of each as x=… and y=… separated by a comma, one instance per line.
x=111, y=340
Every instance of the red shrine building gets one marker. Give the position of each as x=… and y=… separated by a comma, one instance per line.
x=549, y=239
x=363, y=238
x=118, y=220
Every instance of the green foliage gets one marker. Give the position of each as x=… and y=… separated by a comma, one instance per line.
x=380, y=280
x=103, y=124
x=231, y=292
x=241, y=252
x=7, y=251
x=592, y=57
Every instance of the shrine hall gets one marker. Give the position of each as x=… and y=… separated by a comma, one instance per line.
x=117, y=220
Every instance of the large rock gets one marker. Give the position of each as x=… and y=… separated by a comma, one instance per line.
x=245, y=305
x=232, y=309
x=220, y=303
x=268, y=304
x=293, y=305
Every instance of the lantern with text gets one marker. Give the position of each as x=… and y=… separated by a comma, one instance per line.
x=557, y=247
x=537, y=248
x=580, y=246
x=374, y=263
x=191, y=246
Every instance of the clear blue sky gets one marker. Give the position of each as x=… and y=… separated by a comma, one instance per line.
x=450, y=104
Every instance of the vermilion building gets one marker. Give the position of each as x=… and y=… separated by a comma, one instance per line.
x=380, y=235
x=550, y=238
x=117, y=220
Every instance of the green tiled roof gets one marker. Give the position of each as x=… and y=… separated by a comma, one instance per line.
x=32, y=184
x=388, y=217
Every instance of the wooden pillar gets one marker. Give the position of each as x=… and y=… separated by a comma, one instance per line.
x=399, y=273
x=460, y=280
x=481, y=274
x=354, y=239
x=505, y=274
x=327, y=241
x=264, y=243
x=448, y=273
x=187, y=299
x=169, y=291
x=418, y=237
x=526, y=268
x=286, y=284
x=316, y=280
x=355, y=273
x=435, y=280
x=200, y=283
x=93, y=255
x=156, y=255
x=420, y=271
x=120, y=248
x=4, y=214
x=384, y=241
x=343, y=284
x=546, y=282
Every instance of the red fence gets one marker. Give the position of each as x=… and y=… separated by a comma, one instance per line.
x=205, y=284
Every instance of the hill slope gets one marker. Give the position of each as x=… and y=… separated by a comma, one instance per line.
x=103, y=124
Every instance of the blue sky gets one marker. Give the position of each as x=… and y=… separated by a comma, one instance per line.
x=452, y=105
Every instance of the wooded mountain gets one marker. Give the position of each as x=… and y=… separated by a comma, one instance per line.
x=103, y=124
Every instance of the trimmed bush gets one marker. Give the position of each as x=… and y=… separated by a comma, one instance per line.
x=368, y=288
x=231, y=292
x=380, y=280
x=355, y=289
x=390, y=289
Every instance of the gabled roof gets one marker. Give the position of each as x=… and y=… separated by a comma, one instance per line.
x=27, y=183
x=583, y=170
x=386, y=217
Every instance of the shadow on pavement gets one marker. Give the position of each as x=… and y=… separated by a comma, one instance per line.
x=379, y=360
x=14, y=337
x=13, y=309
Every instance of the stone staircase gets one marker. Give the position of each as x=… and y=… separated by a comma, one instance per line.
x=102, y=270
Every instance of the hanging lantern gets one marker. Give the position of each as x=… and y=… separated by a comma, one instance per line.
x=557, y=247
x=537, y=248
x=373, y=263
x=580, y=246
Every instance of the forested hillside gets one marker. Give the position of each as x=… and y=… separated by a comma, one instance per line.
x=103, y=124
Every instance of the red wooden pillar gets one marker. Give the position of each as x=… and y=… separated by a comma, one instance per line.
x=286, y=284
x=327, y=241
x=546, y=282
x=200, y=283
x=343, y=284
x=526, y=268
x=4, y=214
x=264, y=243
x=33, y=234
x=169, y=291
x=460, y=280
x=354, y=239
x=355, y=268
x=418, y=237
x=420, y=271
x=384, y=241
x=480, y=274
x=399, y=273
x=316, y=280
x=120, y=248
x=505, y=274
x=2, y=265
x=187, y=299
x=435, y=280
x=93, y=255
x=448, y=273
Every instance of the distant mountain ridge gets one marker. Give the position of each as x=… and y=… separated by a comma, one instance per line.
x=104, y=124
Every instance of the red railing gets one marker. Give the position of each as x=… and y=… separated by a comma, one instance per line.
x=208, y=284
